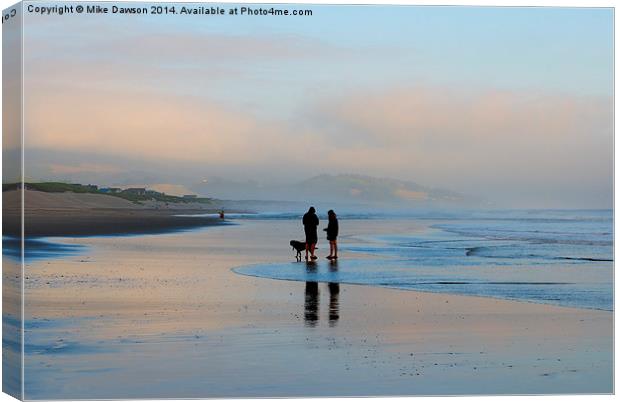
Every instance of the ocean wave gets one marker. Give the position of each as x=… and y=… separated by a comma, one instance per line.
x=540, y=237
x=585, y=259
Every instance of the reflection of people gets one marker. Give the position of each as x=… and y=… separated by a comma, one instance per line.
x=332, y=235
x=334, y=306
x=334, y=294
x=311, y=306
x=311, y=222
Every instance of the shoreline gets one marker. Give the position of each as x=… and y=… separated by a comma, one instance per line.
x=104, y=222
x=81, y=214
x=374, y=286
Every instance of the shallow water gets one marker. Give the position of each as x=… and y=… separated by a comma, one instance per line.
x=563, y=258
x=38, y=249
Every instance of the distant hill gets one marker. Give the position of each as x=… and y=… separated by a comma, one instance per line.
x=342, y=188
x=373, y=189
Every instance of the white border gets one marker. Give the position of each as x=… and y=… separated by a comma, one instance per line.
x=519, y=3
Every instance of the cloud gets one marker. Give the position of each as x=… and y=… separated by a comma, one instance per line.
x=170, y=58
x=452, y=136
x=138, y=124
x=268, y=105
x=516, y=147
x=59, y=169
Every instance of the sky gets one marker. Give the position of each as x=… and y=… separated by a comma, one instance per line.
x=514, y=105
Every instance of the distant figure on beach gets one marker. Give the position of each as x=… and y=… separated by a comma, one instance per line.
x=311, y=223
x=222, y=214
x=332, y=235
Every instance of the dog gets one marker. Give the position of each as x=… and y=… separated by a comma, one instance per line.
x=299, y=246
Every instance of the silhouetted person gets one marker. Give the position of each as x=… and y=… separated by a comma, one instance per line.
x=311, y=223
x=311, y=306
x=332, y=235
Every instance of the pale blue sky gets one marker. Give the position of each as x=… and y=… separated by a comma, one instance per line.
x=444, y=91
x=564, y=49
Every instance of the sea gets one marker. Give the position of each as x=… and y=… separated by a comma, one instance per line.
x=558, y=257
x=102, y=310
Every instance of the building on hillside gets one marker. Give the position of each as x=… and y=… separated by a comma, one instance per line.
x=135, y=190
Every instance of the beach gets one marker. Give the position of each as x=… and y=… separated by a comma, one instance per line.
x=165, y=315
x=75, y=214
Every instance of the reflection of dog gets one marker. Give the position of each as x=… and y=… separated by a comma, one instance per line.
x=299, y=246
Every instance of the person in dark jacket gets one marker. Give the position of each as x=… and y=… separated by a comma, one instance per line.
x=311, y=223
x=332, y=235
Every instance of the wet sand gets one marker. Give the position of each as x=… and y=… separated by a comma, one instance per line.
x=164, y=316
x=113, y=222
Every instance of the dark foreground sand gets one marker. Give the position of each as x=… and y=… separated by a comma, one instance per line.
x=71, y=214
x=164, y=316
x=78, y=223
